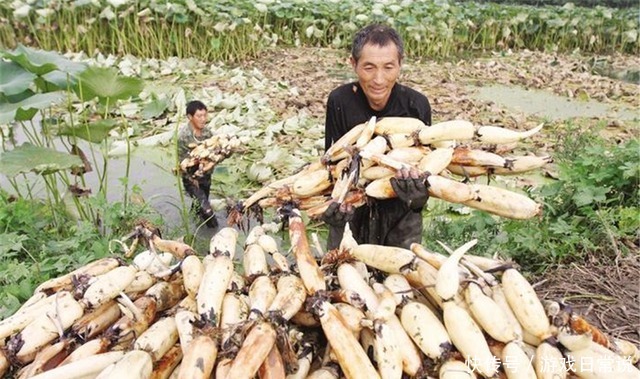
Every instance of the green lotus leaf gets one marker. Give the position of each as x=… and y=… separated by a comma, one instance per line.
x=95, y=132
x=14, y=79
x=17, y=97
x=106, y=85
x=155, y=108
x=41, y=62
x=42, y=100
x=41, y=160
x=56, y=80
x=25, y=109
x=25, y=114
x=45, y=86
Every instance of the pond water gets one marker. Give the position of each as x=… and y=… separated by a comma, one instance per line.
x=149, y=171
x=549, y=105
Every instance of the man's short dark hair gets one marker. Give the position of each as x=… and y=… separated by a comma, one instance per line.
x=379, y=35
x=194, y=106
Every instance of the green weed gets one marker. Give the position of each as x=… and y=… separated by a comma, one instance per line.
x=37, y=243
x=35, y=248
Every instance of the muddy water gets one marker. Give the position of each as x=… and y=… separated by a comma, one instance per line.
x=548, y=105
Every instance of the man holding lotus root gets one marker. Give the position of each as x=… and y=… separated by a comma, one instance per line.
x=376, y=57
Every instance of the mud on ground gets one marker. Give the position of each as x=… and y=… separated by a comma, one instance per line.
x=315, y=72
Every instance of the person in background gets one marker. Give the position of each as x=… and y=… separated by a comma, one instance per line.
x=198, y=188
x=376, y=57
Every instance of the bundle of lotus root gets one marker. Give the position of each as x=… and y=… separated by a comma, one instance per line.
x=205, y=155
x=364, y=159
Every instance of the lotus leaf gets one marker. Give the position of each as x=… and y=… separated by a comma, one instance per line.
x=41, y=160
x=41, y=62
x=95, y=132
x=17, y=97
x=155, y=108
x=259, y=173
x=106, y=85
x=25, y=109
x=14, y=79
x=57, y=79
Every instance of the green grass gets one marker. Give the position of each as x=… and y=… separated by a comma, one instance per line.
x=38, y=242
x=36, y=247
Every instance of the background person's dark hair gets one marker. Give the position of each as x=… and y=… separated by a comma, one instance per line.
x=194, y=106
x=376, y=34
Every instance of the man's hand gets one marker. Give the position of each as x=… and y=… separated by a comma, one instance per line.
x=338, y=215
x=411, y=187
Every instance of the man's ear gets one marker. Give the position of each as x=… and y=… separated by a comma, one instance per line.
x=353, y=62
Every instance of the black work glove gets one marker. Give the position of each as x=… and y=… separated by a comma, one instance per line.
x=338, y=214
x=411, y=187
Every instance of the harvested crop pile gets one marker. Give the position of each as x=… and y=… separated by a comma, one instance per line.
x=360, y=311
